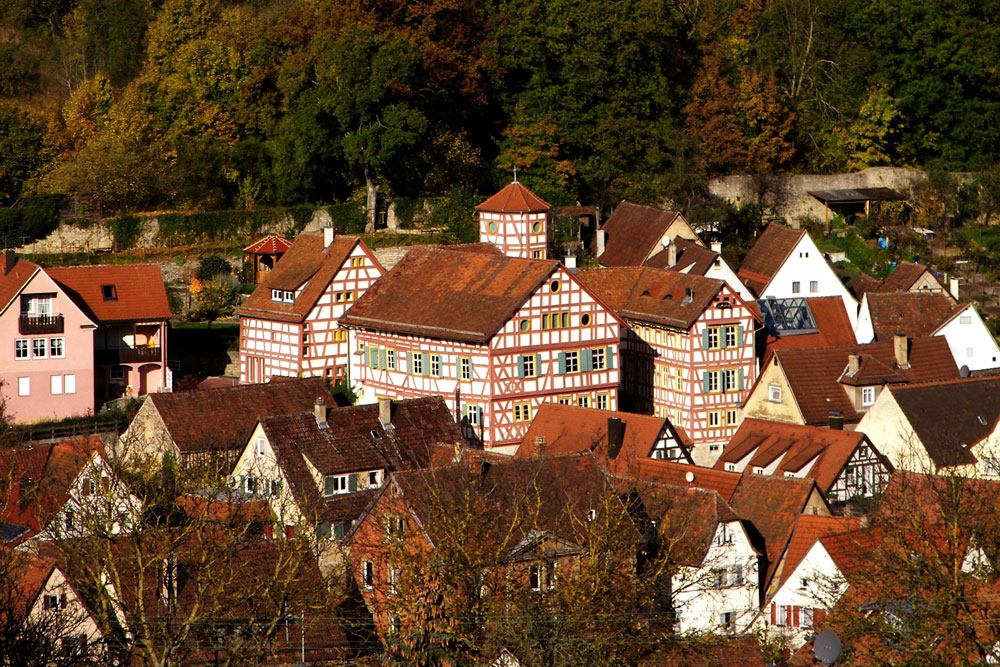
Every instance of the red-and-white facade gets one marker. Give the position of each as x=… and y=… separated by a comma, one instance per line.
x=293, y=330
x=495, y=388
x=516, y=221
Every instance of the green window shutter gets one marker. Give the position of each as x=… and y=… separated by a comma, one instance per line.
x=704, y=382
x=538, y=365
x=479, y=411
x=562, y=363
x=372, y=351
x=381, y=358
x=586, y=360
x=520, y=366
x=352, y=483
x=722, y=337
x=739, y=375
x=427, y=363
x=704, y=339
x=739, y=338
x=722, y=381
x=609, y=357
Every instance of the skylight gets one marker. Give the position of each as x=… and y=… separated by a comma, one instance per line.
x=788, y=317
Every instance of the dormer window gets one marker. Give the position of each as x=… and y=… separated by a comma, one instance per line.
x=757, y=470
x=335, y=485
x=282, y=296
x=109, y=292
x=867, y=396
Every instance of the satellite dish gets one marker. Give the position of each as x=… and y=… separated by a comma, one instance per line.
x=827, y=647
x=665, y=241
x=689, y=477
x=963, y=372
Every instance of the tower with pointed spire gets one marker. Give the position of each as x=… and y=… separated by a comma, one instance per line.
x=516, y=220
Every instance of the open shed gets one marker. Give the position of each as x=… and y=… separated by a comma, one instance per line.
x=854, y=201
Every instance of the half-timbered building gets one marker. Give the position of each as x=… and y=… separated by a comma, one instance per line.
x=688, y=350
x=496, y=336
x=516, y=221
x=289, y=325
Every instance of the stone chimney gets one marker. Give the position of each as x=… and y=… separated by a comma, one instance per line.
x=385, y=411
x=901, y=348
x=328, y=234
x=601, y=237
x=953, y=287
x=853, y=363
x=319, y=411
x=570, y=263
x=9, y=260
x=672, y=254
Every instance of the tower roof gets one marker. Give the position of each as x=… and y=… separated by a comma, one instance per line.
x=514, y=197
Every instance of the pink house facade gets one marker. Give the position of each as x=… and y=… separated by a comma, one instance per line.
x=67, y=350
x=290, y=324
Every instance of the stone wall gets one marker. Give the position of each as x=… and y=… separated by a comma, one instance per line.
x=787, y=196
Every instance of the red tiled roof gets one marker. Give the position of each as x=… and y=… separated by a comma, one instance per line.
x=808, y=529
x=950, y=417
x=831, y=319
x=797, y=445
x=712, y=651
x=814, y=374
x=667, y=472
x=652, y=295
x=223, y=419
x=914, y=313
x=12, y=281
x=692, y=258
x=851, y=551
x=903, y=277
x=306, y=263
x=139, y=292
x=450, y=294
x=514, y=198
x=632, y=232
x=568, y=429
x=767, y=255
x=28, y=574
x=269, y=245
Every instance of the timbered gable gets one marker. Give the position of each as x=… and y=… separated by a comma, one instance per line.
x=516, y=221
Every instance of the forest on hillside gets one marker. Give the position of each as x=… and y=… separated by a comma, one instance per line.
x=212, y=104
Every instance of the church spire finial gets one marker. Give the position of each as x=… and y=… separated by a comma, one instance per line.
x=515, y=173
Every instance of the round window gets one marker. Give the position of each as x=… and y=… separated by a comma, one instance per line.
x=525, y=325
x=554, y=286
x=537, y=227
x=493, y=228
x=585, y=320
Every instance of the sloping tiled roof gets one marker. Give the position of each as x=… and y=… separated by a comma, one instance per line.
x=12, y=281
x=223, y=419
x=767, y=255
x=950, y=417
x=28, y=574
x=691, y=258
x=668, y=472
x=306, y=263
x=35, y=481
x=652, y=295
x=139, y=293
x=271, y=244
x=772, y=505
x=796, y=445
x=633, y=231
x=450, y=294
x=808, y=529
x=830, y=317
x=514, y=198
x=568, y=429
x=902, y=277
x=914, y=313
x=814, y=374
x=851, y=551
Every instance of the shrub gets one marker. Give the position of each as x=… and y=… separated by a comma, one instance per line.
x=125, y=231
x=212, y=266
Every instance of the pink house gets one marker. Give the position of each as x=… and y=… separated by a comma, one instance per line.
x=79, y=336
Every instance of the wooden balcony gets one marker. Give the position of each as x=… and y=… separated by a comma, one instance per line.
x=130, y=355
x=39, y=324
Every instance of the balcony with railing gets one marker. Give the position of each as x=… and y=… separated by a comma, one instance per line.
x=130, y=355
x=39, y=324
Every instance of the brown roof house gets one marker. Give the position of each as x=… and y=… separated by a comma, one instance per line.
x=785, y=263
x=319, y=470
x=844, y=464
x=638, y=235
x=939, y=426
x=906, y=277
x=805, y=322
x=214, y=422
x=616, y=438
x=837, y=385
x=884, y=314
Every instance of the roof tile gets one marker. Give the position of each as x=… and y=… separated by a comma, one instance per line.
x=138, y=291
x=767, y=255
x=633, y=232
x=514, y=198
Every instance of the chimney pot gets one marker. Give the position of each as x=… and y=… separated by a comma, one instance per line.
x=901, y=348
x=328, y=234
x=385, y=411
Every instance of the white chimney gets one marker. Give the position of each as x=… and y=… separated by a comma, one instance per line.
x=600, y=242
x=385, y=411
x=953, y=288
x=327, y=237
x=717, y=247
x=570, y=263
x=671, y=255
x=901, y=348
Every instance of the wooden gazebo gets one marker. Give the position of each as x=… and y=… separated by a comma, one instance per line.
x=265, y=253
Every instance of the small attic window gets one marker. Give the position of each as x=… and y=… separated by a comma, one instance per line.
x=376, y=435
x=981, y=420
x=109, y=292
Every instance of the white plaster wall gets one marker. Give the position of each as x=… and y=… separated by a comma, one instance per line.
x=804, y=264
